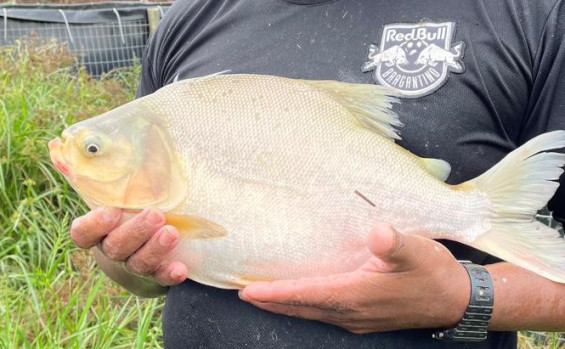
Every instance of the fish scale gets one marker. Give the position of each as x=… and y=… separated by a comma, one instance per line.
x=303, y=198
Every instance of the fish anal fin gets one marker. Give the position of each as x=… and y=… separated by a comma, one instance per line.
x=195, y=227
x=437, y=168
x=370, y=104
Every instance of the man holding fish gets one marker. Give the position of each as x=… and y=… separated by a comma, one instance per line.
x=476, y=80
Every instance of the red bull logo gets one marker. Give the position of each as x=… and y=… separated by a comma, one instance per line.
x=415, y=59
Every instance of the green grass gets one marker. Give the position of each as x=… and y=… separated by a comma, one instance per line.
x=531, y=340
x=51, y=293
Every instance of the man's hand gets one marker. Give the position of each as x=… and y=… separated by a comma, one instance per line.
x=410, y=282
x=141, y=243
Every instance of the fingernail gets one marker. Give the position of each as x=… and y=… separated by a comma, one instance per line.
x=240, y=295
x=154, y=218
x=167, y=238
x=109, y=214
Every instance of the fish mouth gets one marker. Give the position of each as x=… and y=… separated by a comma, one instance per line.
x=56, y=152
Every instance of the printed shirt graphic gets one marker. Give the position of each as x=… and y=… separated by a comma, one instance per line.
x=415, y=59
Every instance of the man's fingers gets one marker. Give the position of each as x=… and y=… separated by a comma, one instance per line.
x=88, y=230
x=396, y=251
x=331, y=293
x=123, y=241
x=171, y=274
x=144, y=233
x=150, y=256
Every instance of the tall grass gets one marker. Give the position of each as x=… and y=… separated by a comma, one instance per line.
x=51, y=293
x=536, y=340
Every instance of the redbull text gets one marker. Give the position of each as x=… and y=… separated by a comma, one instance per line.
x=416, y=59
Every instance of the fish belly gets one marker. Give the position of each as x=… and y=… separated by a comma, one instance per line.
x=274, y=233
x=277, y=232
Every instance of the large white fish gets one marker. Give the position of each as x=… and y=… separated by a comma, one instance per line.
x=274, y=178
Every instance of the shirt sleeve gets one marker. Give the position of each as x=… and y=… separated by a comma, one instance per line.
x=160, y=61
x=546, y=110
x=153, y=59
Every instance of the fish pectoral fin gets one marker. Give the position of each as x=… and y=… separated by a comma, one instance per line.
x=437, y=168
x=195, y=227
x=370, y=104
x=244, y=280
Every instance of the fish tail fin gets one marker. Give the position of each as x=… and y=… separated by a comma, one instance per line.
x=518, y=186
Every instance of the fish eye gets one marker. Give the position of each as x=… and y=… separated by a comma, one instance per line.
x=92, y=148
x=92, y=145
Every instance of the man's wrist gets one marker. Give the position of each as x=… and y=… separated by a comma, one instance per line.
x=458, y=298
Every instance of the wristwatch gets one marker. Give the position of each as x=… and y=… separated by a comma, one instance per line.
x=473, y=326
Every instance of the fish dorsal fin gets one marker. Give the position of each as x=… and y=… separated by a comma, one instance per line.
x=437, y=168
x=370, y=104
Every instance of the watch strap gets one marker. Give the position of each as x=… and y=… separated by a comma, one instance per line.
x=474, y=324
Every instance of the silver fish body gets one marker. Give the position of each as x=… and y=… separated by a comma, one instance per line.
x=298, y=172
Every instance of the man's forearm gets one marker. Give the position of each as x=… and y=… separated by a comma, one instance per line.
x=524, y=300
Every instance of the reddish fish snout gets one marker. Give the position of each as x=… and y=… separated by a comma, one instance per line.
x=55, y=148
x=54, y=143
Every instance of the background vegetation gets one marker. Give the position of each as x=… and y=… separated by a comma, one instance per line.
x=51, y=293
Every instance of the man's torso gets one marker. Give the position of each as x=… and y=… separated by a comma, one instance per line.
x=474, y=72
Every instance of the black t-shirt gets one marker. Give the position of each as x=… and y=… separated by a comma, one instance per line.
x=479, y=78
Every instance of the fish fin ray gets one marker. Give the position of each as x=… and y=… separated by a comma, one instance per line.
x=370, y=104
x=533, y=246
x=195, y=227
x=244, y=280
x=518, y=186
x=437, y=168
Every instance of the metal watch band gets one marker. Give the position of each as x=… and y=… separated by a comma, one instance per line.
x=473, y=326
